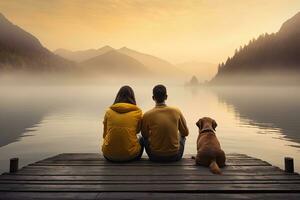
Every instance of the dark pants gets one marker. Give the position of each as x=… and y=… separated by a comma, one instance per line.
x=172, y=158
x=138, y=157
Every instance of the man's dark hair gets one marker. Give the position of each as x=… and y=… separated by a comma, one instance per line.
x=160, y=93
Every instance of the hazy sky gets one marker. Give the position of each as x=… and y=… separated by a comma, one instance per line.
x=177, y=30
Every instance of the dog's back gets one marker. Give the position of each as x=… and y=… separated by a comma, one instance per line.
x=209, y=152
x=207, y=140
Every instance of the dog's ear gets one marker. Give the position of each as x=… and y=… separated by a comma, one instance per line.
x=214, y=124
x=199, y=124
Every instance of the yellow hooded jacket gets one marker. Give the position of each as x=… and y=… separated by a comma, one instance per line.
x=122, y=122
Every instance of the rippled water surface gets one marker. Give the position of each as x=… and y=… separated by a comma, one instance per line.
x=41, y=121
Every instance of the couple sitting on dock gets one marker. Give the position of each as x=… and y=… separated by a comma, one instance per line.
x=163, y=129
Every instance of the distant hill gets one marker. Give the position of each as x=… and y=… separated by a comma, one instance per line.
x=114, y=63
x=193, y=82
x=19, y=50
x=79, y=56
x=202, y=70
x=155, y=64
x=269, y=58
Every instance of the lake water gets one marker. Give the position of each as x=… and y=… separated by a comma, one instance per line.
x=41, y=121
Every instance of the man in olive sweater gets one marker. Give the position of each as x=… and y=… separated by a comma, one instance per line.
x=164, y=129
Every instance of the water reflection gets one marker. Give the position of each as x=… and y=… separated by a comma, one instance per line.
x=273, y=109
x=22, y=109
x=46, y=121
x=19, y=112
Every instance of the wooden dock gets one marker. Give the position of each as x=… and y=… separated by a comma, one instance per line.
x=89, y=176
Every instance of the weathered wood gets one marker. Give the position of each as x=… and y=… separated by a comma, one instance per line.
x=141, y=195
x=289, y=165
x=50, y=195
x=148, y=178
x=70, y=176
x=95, y=157
x=184, y=161
x=121, y=168
x=194, y=196
x=185, y=182
x=200, y=188
x=13, y=165
x=144, y=170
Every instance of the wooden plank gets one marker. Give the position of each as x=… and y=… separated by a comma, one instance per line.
x=184, y=162
x=228, y=173
x=140, y=195
x=149, y=178
x=95, y=156
x=141, y=164
x=137, y=181
x=194, y=196
x=50, y=195
x=199, y=188
x=69, y=174
x=143, y=170
x=202, y=173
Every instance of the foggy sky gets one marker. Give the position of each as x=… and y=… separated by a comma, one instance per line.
x=176, y=30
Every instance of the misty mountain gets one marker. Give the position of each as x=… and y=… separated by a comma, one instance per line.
x=79, y=56
x=19, y=50
x=156, y=65
x=275, y=56
x=202, y=70
x=114, y=63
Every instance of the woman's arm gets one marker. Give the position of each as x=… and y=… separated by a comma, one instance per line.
x=105, y=125
x=139, y=124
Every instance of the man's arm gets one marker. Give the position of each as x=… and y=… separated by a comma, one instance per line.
x=182, y=127
x=145, y=131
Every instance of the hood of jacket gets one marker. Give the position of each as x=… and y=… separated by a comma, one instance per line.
x=124, y=107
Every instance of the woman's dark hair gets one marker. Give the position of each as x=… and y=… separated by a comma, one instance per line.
x=125, y=95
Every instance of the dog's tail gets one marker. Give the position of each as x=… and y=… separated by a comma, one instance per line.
x=214, y=168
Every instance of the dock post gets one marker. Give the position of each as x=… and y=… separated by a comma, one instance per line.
x=289, y=165
x=14, y=165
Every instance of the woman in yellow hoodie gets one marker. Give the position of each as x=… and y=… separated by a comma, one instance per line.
x=122, y=123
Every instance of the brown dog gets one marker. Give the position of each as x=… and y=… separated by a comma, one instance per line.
x=209, y=152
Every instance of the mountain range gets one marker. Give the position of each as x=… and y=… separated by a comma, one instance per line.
x=271, y=58
x=79, y=56
x=19, y=50
x=270, y=55
x=113, y=62
x=124, y=60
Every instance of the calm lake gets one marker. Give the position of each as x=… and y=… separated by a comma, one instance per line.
x=41, y=121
